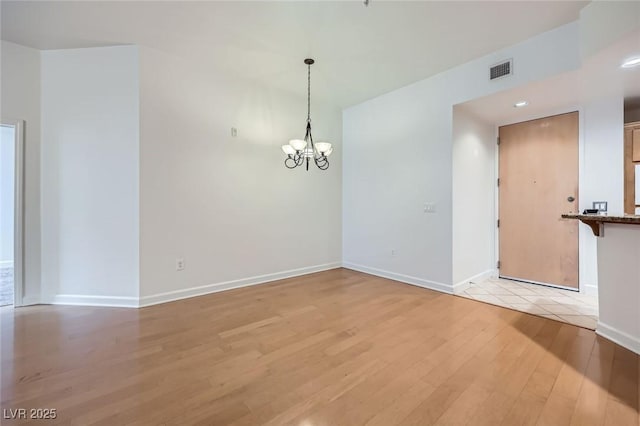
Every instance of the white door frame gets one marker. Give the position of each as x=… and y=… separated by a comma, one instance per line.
x=18, y=209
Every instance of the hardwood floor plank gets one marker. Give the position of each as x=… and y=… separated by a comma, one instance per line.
x=560, y=405
x=623, y=391
x=333, y=348
x=592, y=402
x=512, y=374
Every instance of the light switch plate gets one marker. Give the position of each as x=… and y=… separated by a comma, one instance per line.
x=429, y=207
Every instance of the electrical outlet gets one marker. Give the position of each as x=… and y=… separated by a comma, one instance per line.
x=429, y=207
x=180, y=264
x=234, y=132
x=394, y=252
x=601, y=206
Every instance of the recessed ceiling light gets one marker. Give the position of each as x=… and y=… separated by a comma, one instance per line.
x=631, y=62
x=520, y=104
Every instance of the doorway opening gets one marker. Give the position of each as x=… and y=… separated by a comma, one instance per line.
x=572, y=301
x=11, y=154
x=7, y=212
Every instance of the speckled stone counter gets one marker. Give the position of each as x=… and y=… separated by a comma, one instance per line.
x=596, y=221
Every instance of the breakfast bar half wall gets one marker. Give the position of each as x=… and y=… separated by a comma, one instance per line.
x=618, y=276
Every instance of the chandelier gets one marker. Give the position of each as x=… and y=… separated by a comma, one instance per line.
x=302, y=151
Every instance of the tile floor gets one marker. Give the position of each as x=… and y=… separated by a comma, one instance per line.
x=561, y=305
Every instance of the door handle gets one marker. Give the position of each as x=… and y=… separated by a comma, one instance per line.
x=570, y=199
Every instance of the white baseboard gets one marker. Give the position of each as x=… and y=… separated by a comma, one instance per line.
x=462, y=285
x=135, y=302
x=432, y=285
x=620, y=337
x=171, y=296
x=591, y=290
x=85, y=300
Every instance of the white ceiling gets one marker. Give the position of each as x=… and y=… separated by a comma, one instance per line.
x=361, y=52
x=600, y=76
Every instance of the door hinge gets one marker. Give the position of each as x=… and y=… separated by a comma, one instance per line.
x=498, y=183
x=498, y=140
x=498, y=264
x=498, y=223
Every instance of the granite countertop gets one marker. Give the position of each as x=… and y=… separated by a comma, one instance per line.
x=596, y=222
x=632, y=219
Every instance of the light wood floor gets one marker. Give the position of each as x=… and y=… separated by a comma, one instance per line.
x=333, y=348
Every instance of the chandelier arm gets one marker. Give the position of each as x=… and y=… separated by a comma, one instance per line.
x=287, y=163
x=310, y=136
x=307, y=134
x=313, y=147
x=322, y=163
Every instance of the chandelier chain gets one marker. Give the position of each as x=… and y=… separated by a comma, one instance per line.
x=309, y=92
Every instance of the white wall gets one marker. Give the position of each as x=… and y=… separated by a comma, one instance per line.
x=20, y=95
x=90, y=172
x=398, y=155
x=604, y=22
x=619, y=290
x=474, y=187
x=7, y=181
x=228, y=206
x=602, y=174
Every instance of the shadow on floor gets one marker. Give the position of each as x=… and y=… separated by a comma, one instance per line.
x=610, y=367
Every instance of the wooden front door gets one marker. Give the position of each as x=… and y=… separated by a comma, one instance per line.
x=538, y=165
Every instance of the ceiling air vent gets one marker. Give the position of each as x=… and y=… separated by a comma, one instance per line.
x=501, y=70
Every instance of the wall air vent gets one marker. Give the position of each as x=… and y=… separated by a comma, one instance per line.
x=502, y=69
